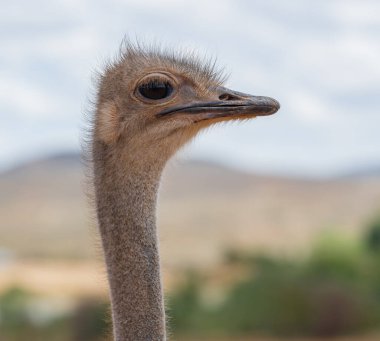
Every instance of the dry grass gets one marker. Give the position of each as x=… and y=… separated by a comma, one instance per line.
x=56, y=278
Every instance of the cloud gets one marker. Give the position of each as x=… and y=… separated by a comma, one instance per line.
x=310, y=108
x=358, y=13
x=25, y=99
x=319, y=59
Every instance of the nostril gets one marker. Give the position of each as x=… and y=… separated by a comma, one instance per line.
x=228, y=97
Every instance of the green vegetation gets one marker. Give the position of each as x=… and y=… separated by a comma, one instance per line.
x=335, y=291
x=22, y=317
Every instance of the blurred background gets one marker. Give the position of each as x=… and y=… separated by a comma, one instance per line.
x=268, y=229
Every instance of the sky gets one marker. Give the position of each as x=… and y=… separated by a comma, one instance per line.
x=319, y=59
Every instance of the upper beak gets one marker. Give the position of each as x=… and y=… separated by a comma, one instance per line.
x=229, y=104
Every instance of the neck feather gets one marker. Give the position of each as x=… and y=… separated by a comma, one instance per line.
x=126, y=193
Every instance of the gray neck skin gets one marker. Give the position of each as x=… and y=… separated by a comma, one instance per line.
x=126, y=192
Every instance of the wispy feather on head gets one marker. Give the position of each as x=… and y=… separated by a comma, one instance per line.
x=202, y=69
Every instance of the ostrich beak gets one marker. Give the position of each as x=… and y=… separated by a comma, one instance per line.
x=230, y=104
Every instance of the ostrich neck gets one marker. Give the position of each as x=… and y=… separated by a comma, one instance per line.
x=126, y=191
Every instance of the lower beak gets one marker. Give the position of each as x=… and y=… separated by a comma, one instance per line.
x=232, y=104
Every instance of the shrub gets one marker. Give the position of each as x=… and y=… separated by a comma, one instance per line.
x=333, y=292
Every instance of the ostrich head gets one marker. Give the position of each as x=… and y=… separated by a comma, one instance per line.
x=154, y=102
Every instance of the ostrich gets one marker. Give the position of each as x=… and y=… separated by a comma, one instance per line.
x=149, y=104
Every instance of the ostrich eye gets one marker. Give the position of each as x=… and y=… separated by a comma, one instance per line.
x=155, y=90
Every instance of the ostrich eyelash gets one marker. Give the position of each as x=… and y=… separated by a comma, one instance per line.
x=154, y=83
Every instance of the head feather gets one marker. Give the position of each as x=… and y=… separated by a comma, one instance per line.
x=202, y=70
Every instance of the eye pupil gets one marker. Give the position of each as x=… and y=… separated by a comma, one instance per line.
x=155, y=90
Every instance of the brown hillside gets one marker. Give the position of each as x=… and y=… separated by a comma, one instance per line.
x=203, y=210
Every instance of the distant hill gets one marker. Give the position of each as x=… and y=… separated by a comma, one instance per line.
x=367, y=172
x=204, y=209
x=42, y=208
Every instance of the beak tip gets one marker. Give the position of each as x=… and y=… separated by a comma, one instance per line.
x=275, y=105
